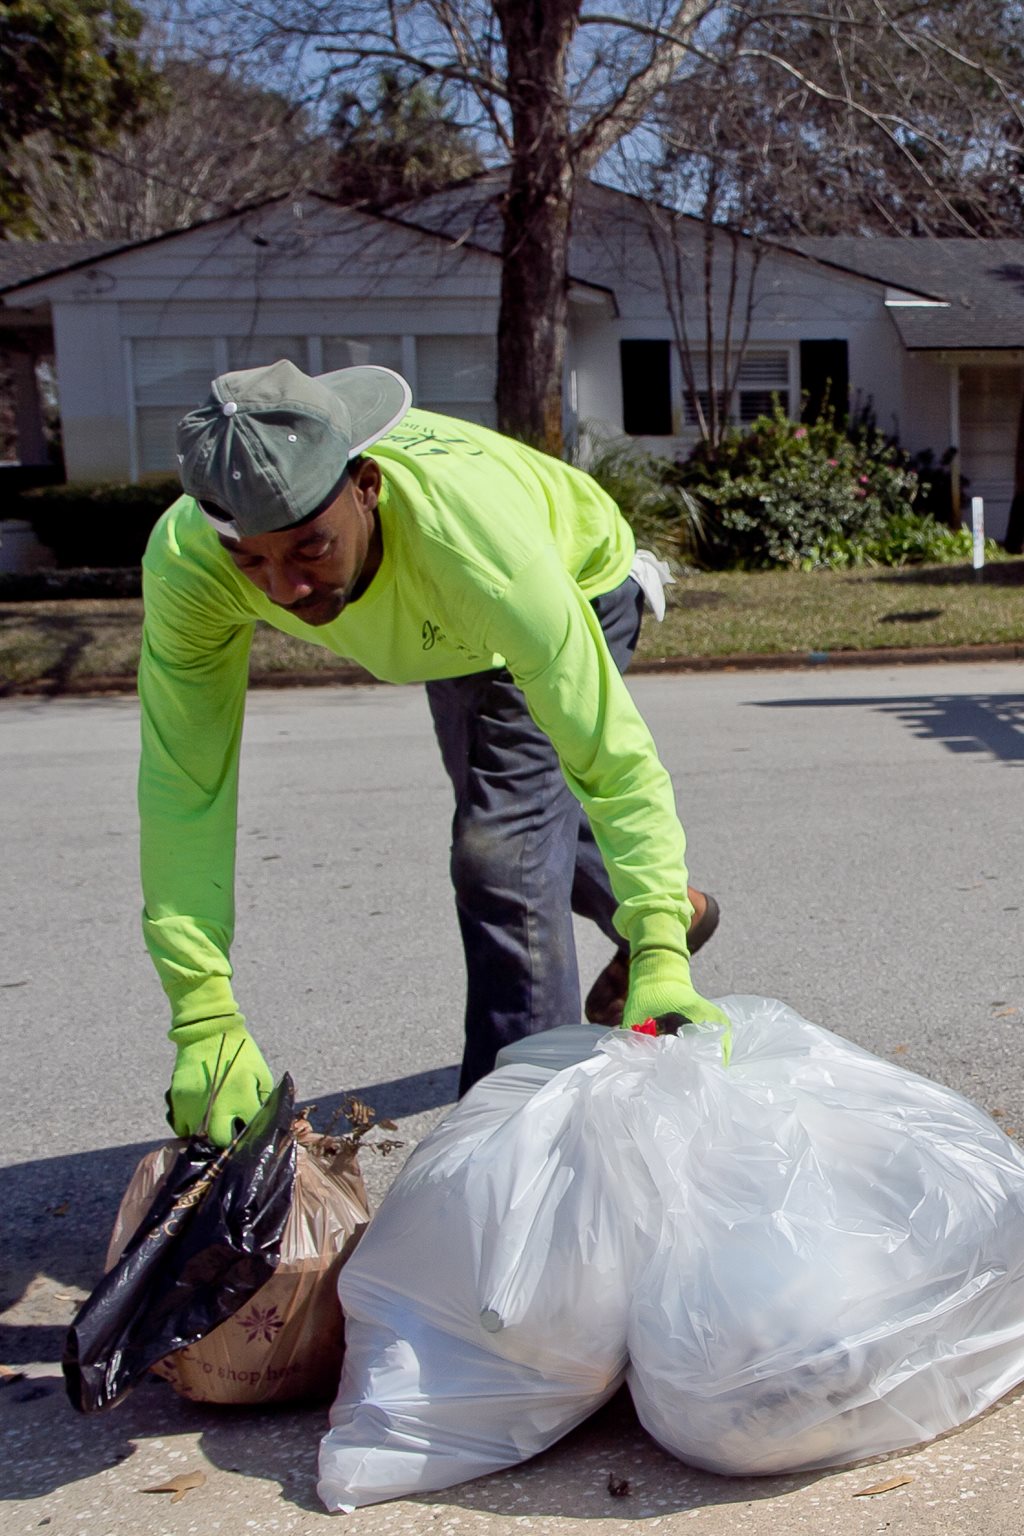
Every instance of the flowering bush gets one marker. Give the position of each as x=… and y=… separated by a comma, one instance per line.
x=782, y=493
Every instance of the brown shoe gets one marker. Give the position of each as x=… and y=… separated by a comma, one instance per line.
x=607, y=997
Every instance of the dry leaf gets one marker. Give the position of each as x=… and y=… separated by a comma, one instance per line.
x=887, y=1487
x=180, y=1485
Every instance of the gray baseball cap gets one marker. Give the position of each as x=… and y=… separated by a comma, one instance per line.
x=270, y=446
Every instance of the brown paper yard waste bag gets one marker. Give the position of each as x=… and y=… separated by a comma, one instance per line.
x=287, y=1341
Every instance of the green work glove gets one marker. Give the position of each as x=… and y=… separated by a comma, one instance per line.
x=660, y=988
x=209, y=1051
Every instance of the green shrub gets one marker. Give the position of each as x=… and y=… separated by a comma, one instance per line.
x=908, y=538
x=649, y=491
x=934, y=473
x=96, y=526
x=783, y=493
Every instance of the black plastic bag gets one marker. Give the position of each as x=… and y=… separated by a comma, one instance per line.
x=210, y=1240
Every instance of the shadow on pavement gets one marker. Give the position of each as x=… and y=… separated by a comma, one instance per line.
x=611, y=1450
x=569, y=1480
x=53, y=1448
x=965, y=722
x=58, y=1214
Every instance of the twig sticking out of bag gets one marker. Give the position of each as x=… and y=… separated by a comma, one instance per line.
x=217, y=1085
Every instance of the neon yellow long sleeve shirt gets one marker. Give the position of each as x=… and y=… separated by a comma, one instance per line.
x=492, y=553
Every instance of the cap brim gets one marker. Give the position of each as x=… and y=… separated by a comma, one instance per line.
x=375, y=398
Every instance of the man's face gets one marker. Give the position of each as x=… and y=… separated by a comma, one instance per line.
x=316, y=569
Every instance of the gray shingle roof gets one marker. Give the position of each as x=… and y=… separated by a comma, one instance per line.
x=22, y=260
x=982, y=281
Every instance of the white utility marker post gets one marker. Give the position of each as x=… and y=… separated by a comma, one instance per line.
x=978, y=530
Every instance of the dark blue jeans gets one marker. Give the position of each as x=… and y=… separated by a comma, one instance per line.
x=523, y=856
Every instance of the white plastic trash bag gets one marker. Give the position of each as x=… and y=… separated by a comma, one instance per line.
x=486, y=1306
x=839, y=1270
x=811, y=1256
x=554, y=1049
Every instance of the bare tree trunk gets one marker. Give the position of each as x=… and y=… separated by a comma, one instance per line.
x=717, y=407
x=665, y=242
x=533, y=313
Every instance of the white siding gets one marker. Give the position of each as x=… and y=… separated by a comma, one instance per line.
x=791, y=300
x=93, y=394
x=139, y=335
x=321, y=286
x=456, y=376
x=256, y=349
x=346, y=352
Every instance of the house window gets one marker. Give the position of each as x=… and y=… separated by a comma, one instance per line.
x=173, y=374
x=763, y=378
x=456, y=375
x=170, y=376
x=346, y=352
x=824, y=378
x=646, y=388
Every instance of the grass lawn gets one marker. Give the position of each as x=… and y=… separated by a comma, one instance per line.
x=779, y=612
x=72, y=643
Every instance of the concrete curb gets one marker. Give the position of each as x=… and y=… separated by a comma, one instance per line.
x=799, y=660
x=352, y=676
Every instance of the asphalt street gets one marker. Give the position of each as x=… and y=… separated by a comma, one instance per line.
x=862, y=831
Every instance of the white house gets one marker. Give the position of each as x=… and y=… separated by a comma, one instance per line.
x=928, y=334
